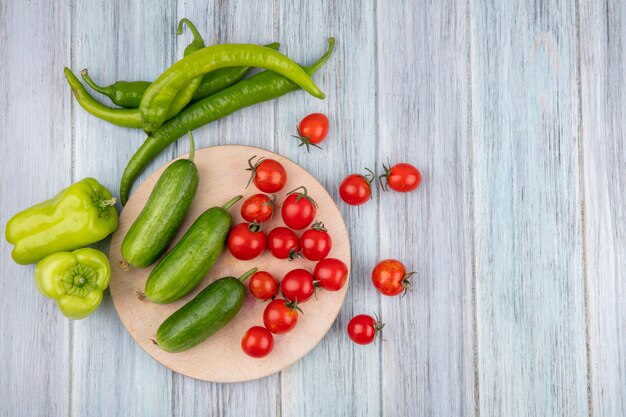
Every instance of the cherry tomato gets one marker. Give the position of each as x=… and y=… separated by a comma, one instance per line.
x=401, y=177
x=356, y=189
x=390, y=277
x=298, y=209
x=268, y=175
x=257, y=342
x=330, y=274
x=280, y=316
x=315, y=243
x=297, y=285
x=263, y=285
x=363, y=329
x=244, y=243
x=257, y=208
x=283, y=243
x=312, y=130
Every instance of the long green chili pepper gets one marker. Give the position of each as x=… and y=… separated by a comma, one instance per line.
x=158, y=97
x=128, y=94
x=219, y=79
x=261, y=87
x=185, y=94
x=123, y=93
x=120, y=117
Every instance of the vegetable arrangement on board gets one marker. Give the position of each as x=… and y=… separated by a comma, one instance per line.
x=208, y=83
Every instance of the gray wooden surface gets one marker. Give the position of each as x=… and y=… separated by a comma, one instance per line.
x=512, y=110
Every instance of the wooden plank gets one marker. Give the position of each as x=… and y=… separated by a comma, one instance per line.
x=220, y=22
x=603, y=83
x=35, y=163
x=337, y=378
x=116, y=40
x=527, y=217
x=427, y=362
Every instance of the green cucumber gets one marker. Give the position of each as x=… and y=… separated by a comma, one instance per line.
x=164, y=212
x=213, y=308
x=182, y=269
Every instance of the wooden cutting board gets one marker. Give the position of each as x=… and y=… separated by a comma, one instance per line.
x=220, y=358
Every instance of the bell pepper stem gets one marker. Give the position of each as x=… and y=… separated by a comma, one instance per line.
x=107, y=203
x=231, y=202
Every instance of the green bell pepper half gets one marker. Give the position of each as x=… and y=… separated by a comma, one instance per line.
x=75, y=280
x=81, y=214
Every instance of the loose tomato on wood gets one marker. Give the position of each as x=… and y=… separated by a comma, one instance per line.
x=283, y=243
x=390, y=277
x=401, y=177
x=297, y=285
x=312, y=130
x=263, y=285
x=356, y=189
x=330, y=274
x=258, y=208
x=244, y=243
x=298, y=209
x=362, y=329
x=280, y=316
x=257, y=342
x=315, y=243
x=268, y=175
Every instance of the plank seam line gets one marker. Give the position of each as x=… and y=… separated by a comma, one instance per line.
x=72, y=170
x=472, y=158
x=173, y=401
x=381, y=397
x=276, y=34
x=582, y=203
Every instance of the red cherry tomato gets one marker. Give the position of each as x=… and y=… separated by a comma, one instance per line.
x=298, y=209
x=283, y=243
x=257, y=342
x=257, y=208
x=297, y=285
x=363, y=329
x=401, y=177
x=315, y=243
x=312, y=130
x=390, y=277
x=356, y=189
x=268, y=175
x=263, y=285
x=330, y=274
x=280, y=316
x=244, y=243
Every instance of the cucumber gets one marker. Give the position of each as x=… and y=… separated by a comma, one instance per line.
x=182, y=268
x=213, y=308
x=164, y=212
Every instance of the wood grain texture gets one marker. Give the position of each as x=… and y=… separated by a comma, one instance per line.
x=337, y=378
x=502, y=205
x=528, y=238
x=34, y=121
x=603, y=84
x=231, y=21
x=423, y=117
x=111, y=374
